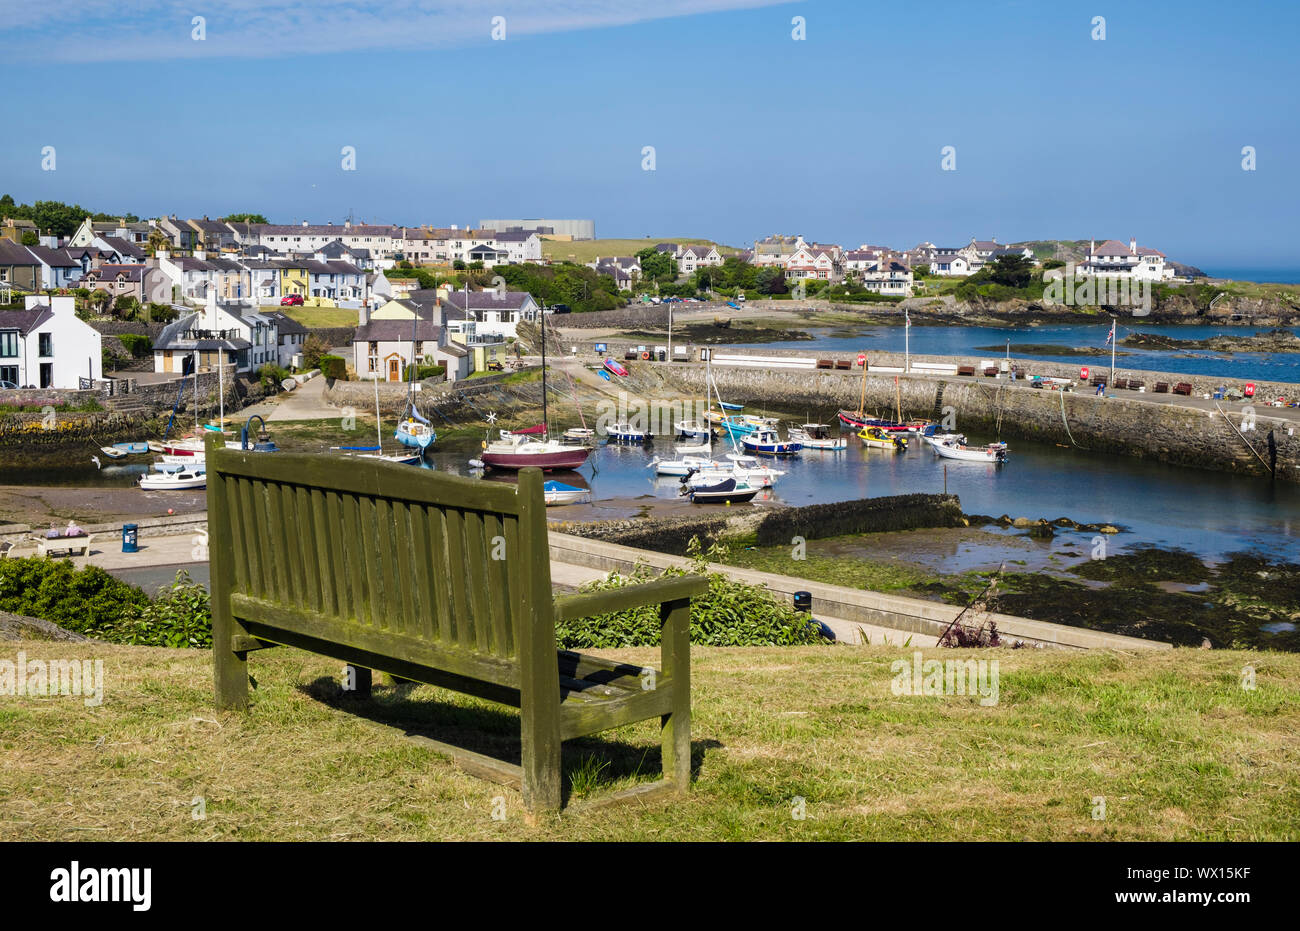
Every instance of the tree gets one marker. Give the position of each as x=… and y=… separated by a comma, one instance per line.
x=99, y=299
x=1014, y=271
x=771, y=280
x=657, y=266
x=157, y=240
x=126, y=306
x=312, y=350
x=31, y=239
x=244, y=218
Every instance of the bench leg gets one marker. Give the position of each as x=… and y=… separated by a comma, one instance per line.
x=675, y=652
x=541, y=759
x=361, y=678
x=230, y=669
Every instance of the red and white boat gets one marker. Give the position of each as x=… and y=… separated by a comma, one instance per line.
x=185, y=446
x=520, y=451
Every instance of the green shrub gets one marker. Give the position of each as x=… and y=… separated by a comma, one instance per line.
x=424, y=371
x=181, y=616
x=729, y=614
x=333, y=366
x=271, y=375
x=88, y=601
x=139, y=346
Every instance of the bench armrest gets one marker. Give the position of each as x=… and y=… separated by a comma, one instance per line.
x=659, y=591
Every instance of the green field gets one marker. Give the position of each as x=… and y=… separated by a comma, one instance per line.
x=587, y=250
x=1175, y=745
x=318, y=316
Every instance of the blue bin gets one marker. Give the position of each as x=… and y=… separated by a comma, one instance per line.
x=130, y=538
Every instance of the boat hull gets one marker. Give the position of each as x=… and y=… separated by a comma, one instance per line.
x=547, y=461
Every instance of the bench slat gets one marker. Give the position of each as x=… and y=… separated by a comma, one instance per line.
x=588, y=604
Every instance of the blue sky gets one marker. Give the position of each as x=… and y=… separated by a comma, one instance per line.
x=837, y=136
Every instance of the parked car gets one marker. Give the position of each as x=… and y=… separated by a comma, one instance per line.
x=291, y=300
x=8, y=386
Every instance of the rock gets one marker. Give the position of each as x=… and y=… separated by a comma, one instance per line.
x=1022, y=522
x=1004, y=520
x=1066, y=522
x=1108, y=528
x=1042, y=530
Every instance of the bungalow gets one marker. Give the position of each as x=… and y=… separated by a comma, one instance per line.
x=495, y=313
x=950, y=265
x=45, y=345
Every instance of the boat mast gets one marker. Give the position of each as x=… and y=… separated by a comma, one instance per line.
x=862, y=396
x=907, y=341
x=197, y=428
x=898, y=393
x=1114, y=337
x=546, y=431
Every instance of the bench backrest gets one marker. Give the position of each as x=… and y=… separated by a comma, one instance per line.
x=401, y=562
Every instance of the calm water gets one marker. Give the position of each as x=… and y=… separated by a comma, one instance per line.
x=1210, y=513
x=964, y=340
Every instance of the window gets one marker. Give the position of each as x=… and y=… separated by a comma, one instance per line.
x=9, y=373
x=9, y=347
x=46, y=347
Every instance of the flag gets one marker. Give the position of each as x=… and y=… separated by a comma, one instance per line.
x=1110, y=335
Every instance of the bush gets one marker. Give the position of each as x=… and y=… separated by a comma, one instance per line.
x=424, y=371
x=333, y=366
x=181, y=616
x=728, y=614
x=271, y=375
x=139, y=346
x=88, y=601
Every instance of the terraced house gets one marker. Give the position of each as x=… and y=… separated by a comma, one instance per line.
x=45, y=345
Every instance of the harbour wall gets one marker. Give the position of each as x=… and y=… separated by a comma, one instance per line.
x=1136, y=425
x=774, y=526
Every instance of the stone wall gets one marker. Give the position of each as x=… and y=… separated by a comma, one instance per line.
x=777, y=525
x=988, y=407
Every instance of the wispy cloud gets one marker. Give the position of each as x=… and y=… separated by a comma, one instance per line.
x=147, y=30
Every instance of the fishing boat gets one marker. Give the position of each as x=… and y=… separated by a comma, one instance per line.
x=413, y=428
x=816, y=436
x=726, y=491
x=766, y=442
x=556, y=493
x=951, y=449
x=182, y=479
x=735, y=427
x=131, y=449
x=876, y=438
x=624, y=433
x=614, y=367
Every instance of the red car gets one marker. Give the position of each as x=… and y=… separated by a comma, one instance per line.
x=291, y=300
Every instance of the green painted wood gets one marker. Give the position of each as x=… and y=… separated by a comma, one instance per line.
x=539, y=685
x=587, y=604
x=229, y=666
x=675, y=658
x=362, y=680
x=392, y=570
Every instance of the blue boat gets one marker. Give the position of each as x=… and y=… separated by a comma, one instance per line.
x=555, y=493
x=731, y=407
x=132, y=449
x=766, y=443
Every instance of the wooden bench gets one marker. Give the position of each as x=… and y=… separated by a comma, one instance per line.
x=965, y=370
x=1183, y=387
x=437, y=579
x=69, y=546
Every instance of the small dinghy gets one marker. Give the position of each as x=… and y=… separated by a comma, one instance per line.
x=556, y=493
x=112, y=452
x=132, y=449
x=185, y=478
x=683, y=466
x=693, y=449
x=727, y=491
x=580, y=435
x=614, y=367
x=951, y=449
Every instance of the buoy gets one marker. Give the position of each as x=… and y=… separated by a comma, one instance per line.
x=645, y=357
x=170, y=511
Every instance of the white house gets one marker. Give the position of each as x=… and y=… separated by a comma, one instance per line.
x=494, y=312
x=45, y=345
x=950, y=265
x=1114, y=259
x=692, y=257
x=888, y=276
x=819, y=264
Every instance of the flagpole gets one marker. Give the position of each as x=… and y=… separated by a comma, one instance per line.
x=1110, y=385
x=907, y=341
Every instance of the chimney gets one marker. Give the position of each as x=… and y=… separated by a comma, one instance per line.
x=200, y=254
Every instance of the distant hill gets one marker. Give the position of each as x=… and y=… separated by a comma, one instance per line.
x=587, y=250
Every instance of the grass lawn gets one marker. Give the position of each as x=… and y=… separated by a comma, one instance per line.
x=1172, y=742
x=586, y=250
x=319, y=316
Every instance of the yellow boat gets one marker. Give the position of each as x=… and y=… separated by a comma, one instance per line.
x=875, y=438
